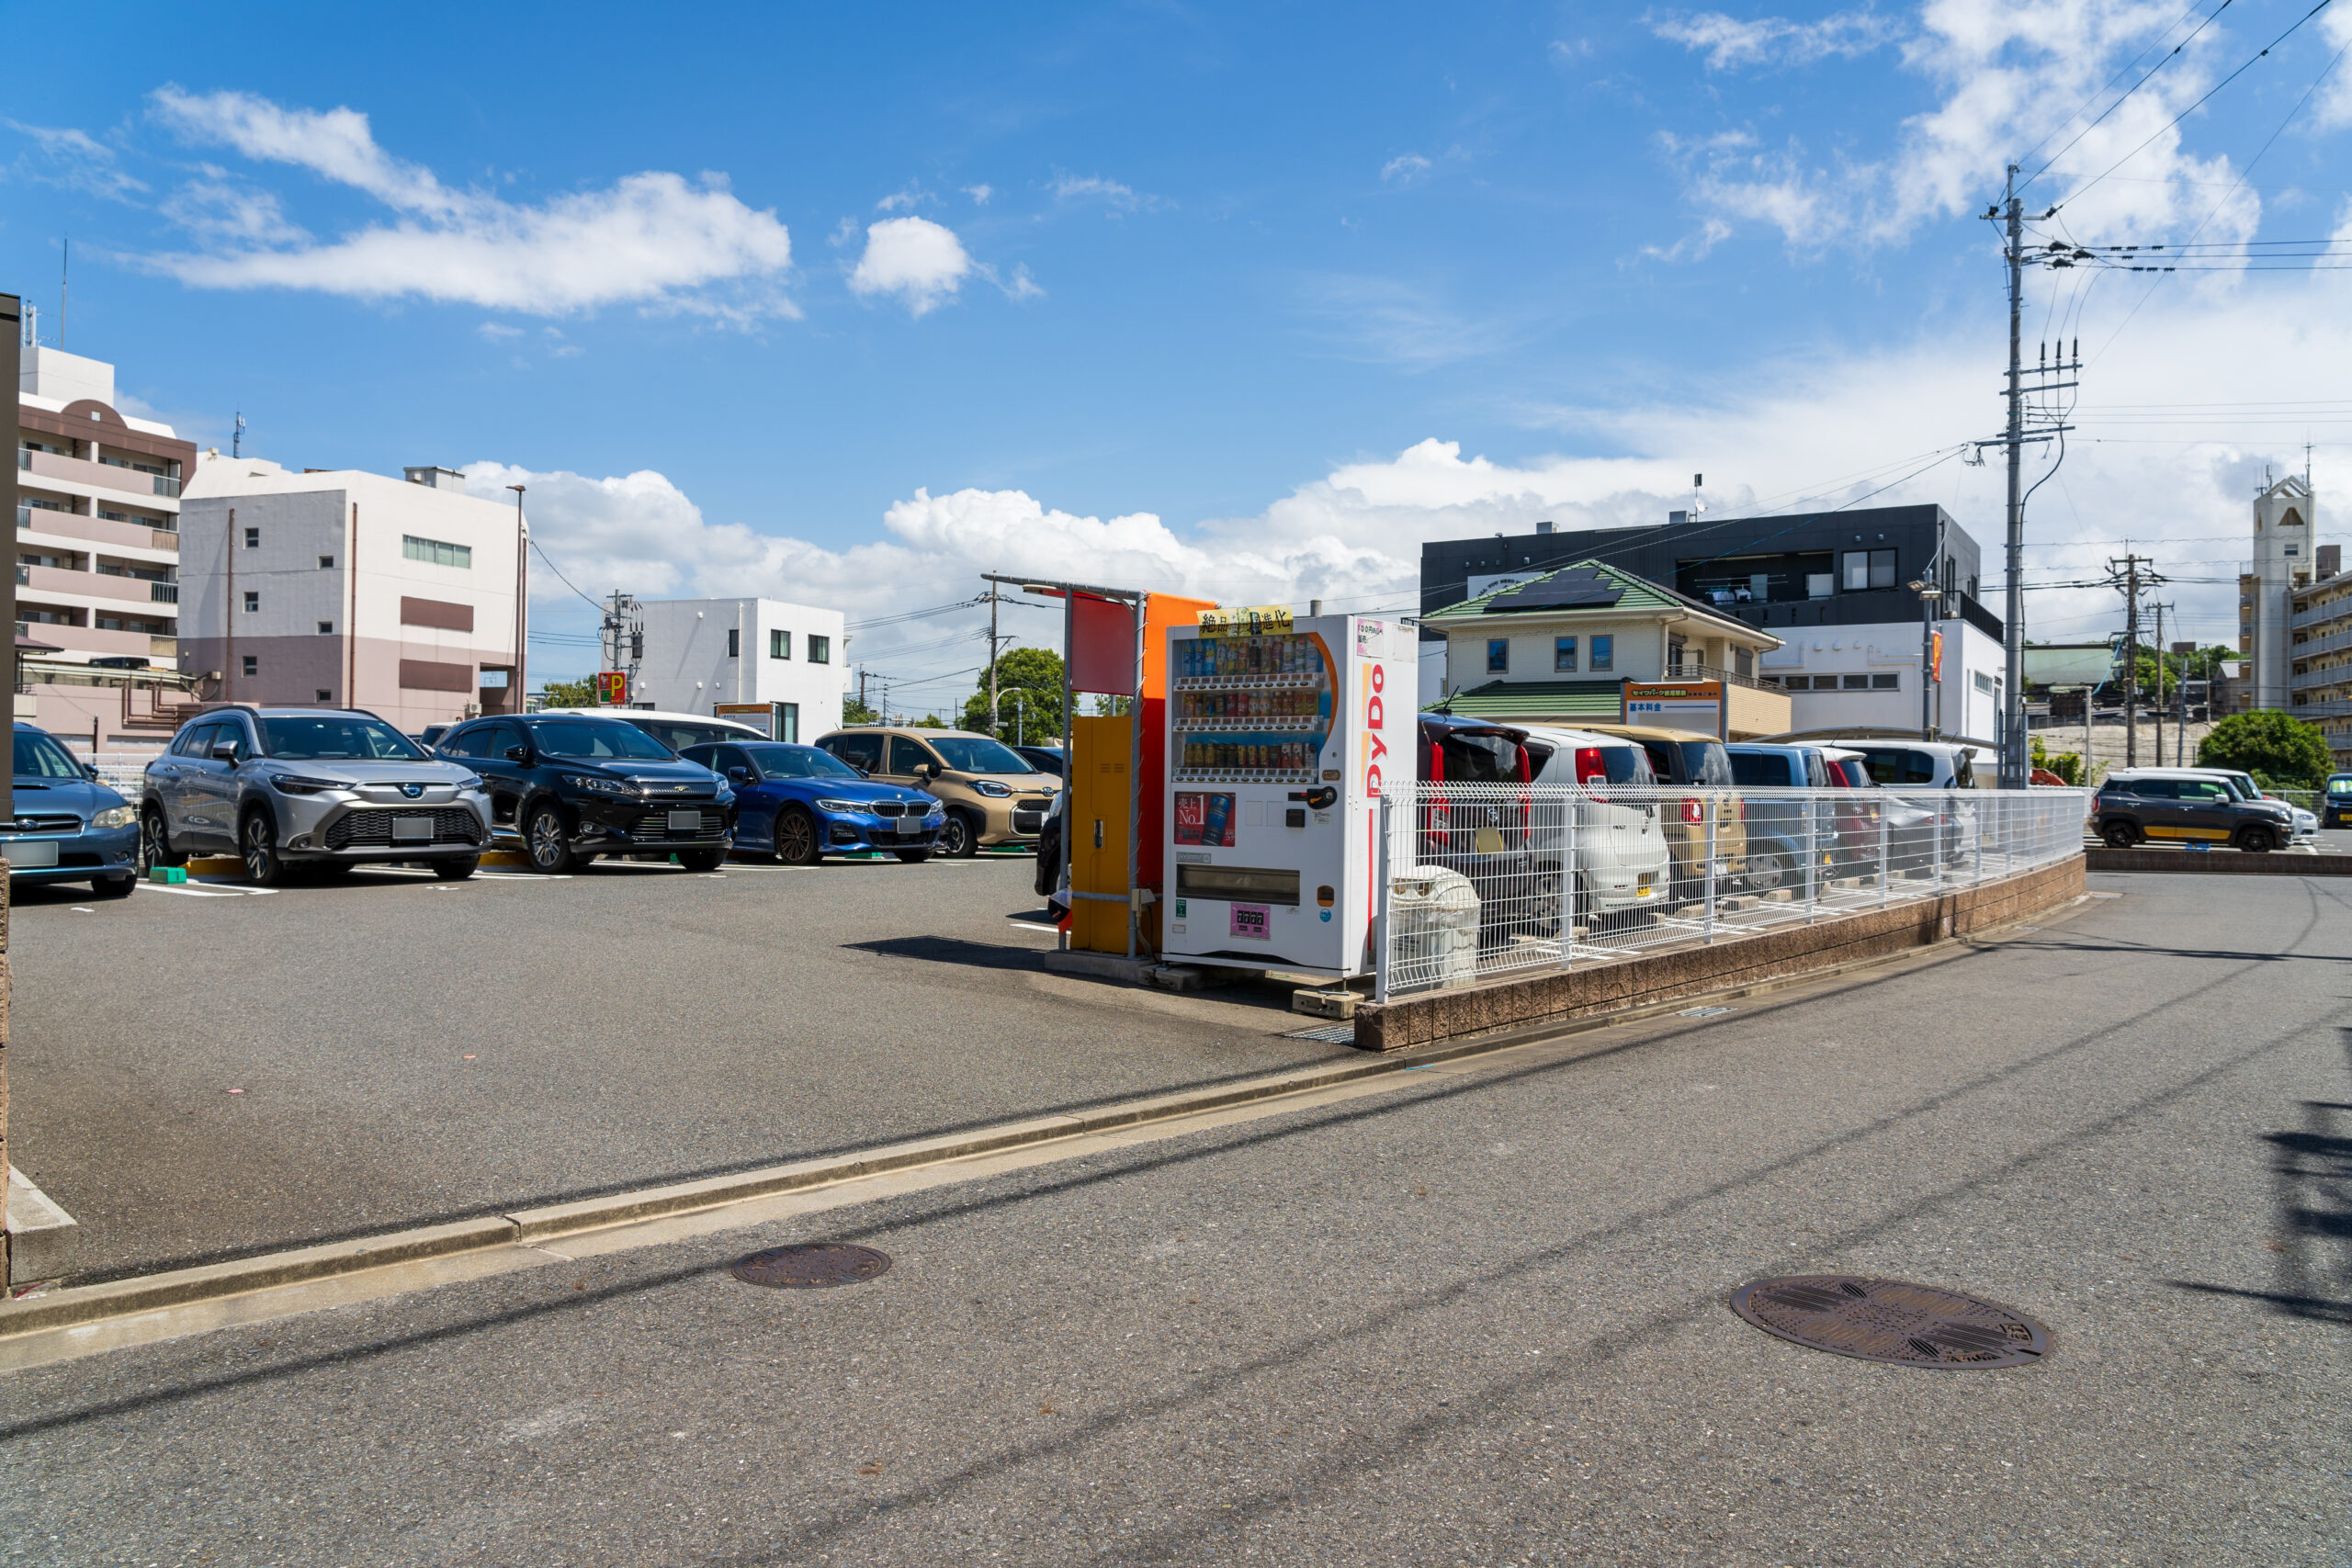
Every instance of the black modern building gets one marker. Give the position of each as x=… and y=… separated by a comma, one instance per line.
x=1810, y=568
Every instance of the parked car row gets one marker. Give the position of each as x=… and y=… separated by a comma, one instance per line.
x=328, y=789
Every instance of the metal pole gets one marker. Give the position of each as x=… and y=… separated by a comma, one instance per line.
x=1569, y=812
x=1135, y=782
x=996, y=730
x=522, y=677
x=2159, y=710
x=2013, y=742
x=1707, y=918
x=1812, y=860
x=1382, y=888
x=11, y=359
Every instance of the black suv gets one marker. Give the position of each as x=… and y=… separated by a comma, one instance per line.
x=2175, y=807
x=573, y=788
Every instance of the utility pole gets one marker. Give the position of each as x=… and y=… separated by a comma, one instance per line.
x=2180, y=704
x=2129, y=578
x=2158, y=712
x=623, y=638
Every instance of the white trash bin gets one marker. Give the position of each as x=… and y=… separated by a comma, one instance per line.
x=1433, y=930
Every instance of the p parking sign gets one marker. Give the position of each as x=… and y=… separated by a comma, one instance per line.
x=612, y=687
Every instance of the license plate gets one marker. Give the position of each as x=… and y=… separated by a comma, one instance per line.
x=411, y=830
x=909, y=825
x=686, y=821
x=26, y=854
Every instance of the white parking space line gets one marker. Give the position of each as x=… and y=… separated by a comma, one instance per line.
x=520, y=876
x=193, y=892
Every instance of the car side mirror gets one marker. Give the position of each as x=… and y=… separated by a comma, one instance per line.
x=89, y=771
x=926, y=771
x=224, y=750
x=517, y=753
x=738, y=775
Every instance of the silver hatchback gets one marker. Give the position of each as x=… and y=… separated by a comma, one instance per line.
x=280, y=786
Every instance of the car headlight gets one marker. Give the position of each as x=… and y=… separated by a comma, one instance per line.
x=115, y=817
x=850, y=807
x=295, y=784
x=595, y=784
x=472, y=780
x=937, y=813
x=990, y=788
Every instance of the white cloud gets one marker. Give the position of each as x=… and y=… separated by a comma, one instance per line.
x=1405, y=166
x=1094, y=188
x=2009, y=74
x=2335, y=98
x=499, y=331
x=1774, y=40
x=1388, y=322
x=921, y=262
x=653, y=238
x=78, y=161
x=979, y=194
x=220, y=211
x=906, y=198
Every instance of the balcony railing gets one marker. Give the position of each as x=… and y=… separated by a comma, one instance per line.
x=1692, y=669
x=164, y=592
x=2336, y=609
x=165, y=484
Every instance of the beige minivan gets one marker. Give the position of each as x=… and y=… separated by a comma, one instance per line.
x=993, y=797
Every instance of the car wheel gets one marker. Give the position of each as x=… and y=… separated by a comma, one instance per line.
x=113, y=887
x=1770, y=870
x=795, y=837
x=258, y=845
x=2258, y=840
x=456, y=868
x=155, y=842
x=546, y=844
x=2119, y=835
x=912, y=857
x=702, y=860
x=959, y=838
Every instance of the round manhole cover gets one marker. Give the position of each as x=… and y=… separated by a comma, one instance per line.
x=1891, y=1320
x=810, y=1264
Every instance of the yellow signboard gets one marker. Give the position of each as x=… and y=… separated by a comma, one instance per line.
x=612, y=687
x=1245, y=620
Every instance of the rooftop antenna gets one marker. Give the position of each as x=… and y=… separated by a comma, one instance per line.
x=237, y=438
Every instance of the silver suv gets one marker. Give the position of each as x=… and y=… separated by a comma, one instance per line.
x=324, y=786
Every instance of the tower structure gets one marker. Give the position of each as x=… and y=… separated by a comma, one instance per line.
x=2285, y=542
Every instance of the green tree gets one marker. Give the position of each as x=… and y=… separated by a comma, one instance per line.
x=580, y=694
x=2067, y=765
x=856, y=712
x=1035, y=715
x=2271, y=745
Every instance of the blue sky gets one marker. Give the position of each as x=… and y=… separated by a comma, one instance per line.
x=1250, y=301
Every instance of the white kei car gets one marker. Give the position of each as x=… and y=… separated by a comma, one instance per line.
x=1621, y=859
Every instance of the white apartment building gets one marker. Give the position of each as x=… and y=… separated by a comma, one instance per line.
x=98, y=549
x=350, y=589
x=2286, y=531
x=702, y=652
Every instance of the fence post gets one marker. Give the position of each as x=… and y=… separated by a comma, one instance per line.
x=1384, y=886
x=1707, y=922
x=1885, y=894
x=1983, y=814
x=1569, y=815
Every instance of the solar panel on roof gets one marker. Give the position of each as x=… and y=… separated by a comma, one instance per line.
x=1574, y=589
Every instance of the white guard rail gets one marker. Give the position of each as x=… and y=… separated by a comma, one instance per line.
x=1497, y=881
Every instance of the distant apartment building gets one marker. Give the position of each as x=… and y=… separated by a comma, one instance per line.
x=350, y=589
x=703, y=652
x=2286, y=532
x=98, y=544
x=2319, y=671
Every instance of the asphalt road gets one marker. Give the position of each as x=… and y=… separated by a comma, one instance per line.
x=1480, y=1320
x=208, y=1072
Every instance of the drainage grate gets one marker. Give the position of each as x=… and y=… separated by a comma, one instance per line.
x=1891, y=1320
x=1704, y=1012
x=811, y=1264
x=1333, y=1033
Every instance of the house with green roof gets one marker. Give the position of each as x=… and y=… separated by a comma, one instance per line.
x=1560, y=648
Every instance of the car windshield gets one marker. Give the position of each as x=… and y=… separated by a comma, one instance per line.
x=1706, y=762
x=678, y=736
x=598, y=738
x=1756, y=770
x=38, y=756
x=798, y=762
x=328, y=738
x=2339, y=787
x=977, y=754
x=1473, y=758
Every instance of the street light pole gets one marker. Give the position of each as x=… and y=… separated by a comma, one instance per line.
x=1929, y=593
x=522, y=605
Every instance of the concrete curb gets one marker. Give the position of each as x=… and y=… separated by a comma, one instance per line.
x=2218, y=863
x=124, y=1298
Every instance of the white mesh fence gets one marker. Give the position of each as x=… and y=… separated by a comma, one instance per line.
x=1497, y=881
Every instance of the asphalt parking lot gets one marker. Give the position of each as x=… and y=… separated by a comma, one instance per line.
x=1478, y=1319
x=213, y=1070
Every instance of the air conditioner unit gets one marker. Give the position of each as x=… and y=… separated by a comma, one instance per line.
x=473, y=710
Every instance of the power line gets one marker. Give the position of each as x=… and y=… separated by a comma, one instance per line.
x=2119, y=103
x=565, y=581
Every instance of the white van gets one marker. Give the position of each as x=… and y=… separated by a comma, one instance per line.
x=1622, y=862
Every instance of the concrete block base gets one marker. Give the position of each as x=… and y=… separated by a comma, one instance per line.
x=43, y=1240
x=1103, y=965
x=1325, y=1004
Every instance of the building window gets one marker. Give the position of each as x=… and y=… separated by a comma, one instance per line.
x=437, y=551
x=326, y=563
x=1564, y=655
x=1819, y=584
x=253, y=539
x=325, y=695
x=820, y=650
x=1743, y=663
x=1889, y=682
x=1604, y=654
x=1868, y=569
x=253, y=664
x=326, y=628
x=1983, y=682
x=790, y=728
x=253, y=601
x=779, y=644
x=1499, y=656
x=1674, y=656
x=734, y=642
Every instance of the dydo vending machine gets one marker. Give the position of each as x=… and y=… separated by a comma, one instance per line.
x=1280, y=736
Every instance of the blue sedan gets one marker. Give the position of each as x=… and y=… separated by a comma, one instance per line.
x=68, y=827
x=798, y=804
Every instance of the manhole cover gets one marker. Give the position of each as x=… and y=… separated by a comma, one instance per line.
x=811, y=1264
x=1891, y=1320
